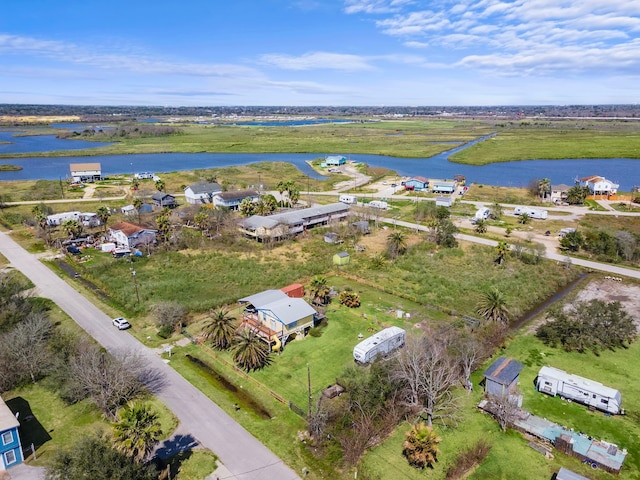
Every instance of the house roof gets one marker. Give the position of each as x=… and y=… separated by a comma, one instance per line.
x=292, y=217
x=335, y=158
x=504, y=370
x=236, y=195
x=419, y=179
x=204, y=187
x=7, y=419
x=561, y=187
x=292, y=288
x=289, y=310
x=74, y=167
x=564, y=474
x=127, y=228
x=161, y=196
x=258, y=300
x=592, y=179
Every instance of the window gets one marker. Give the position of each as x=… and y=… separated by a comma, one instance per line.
x=9, y=457
x=547, y=383
x=606, y=402
x=7, y=438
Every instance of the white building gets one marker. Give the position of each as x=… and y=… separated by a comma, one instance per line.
x=202, y=192
x=599, y=185
x=85, y=172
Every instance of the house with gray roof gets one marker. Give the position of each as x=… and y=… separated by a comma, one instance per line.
x=277, y=317
x=292, y=222
x=202, y=192
x=232, y=200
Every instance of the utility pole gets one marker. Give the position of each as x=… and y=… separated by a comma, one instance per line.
x=309, y=387
x=135, y=284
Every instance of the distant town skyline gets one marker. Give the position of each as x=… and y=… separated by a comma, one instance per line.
x=320, y=52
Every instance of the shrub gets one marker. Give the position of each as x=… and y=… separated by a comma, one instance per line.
x=349, y=299
x=165, y=331
x=468, y=459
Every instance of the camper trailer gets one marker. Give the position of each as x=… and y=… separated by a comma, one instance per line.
x=553, y=381
x=378, y=204
x=349, y=199
x=482, y=214
x=59, y=218
x=381, y=343
x=532, y=212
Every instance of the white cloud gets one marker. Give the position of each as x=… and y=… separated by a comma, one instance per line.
x=375, y=6
x=318, y=61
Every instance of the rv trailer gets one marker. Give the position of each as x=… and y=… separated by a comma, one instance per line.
x=553, y=381
x=532, y=212
x=348, y=199
x=381, y=343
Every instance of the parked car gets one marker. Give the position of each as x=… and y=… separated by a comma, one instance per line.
x=121, y=323
x=73, y=250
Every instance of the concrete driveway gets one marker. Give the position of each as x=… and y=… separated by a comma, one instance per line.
x=242, y=454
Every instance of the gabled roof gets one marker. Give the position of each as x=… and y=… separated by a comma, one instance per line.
x=7, y=419
x=74, y=167
x=292, y=217
x=592, y=179
x=263, y=298
x=161, y=196
x=419, y=179
x=562, y=187
x=289, y=310
x=236, y=195
x=127, y=228
x=204, y=187
x=504, y=370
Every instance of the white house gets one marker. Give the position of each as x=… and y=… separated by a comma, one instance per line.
x=85, y=172
x=559, y=193
x=599, y=185
x=232, y=200
x=127, y=235
x=202, y=192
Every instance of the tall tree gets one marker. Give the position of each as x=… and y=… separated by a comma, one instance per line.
x=496, y=211
x=137, y=431
x=502, y=249
x=420, y=446
x=396, y=244
x=247, y=207
x=160, y=185
x=249, y=351
x=481, y=226
x=103, y=214
x=544, y=188
x=72, y=228
x=220, y=329
x=493, y=306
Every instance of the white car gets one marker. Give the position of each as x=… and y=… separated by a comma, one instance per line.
x=121, y=323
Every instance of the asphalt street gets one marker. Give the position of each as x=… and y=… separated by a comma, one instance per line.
x=243, y=456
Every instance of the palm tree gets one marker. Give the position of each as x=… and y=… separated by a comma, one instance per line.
x=137, y=204
x=493, y=306
x=502, y=249
x=41, y=217
x=160, y=185
x=220, y=329
x=164, y=227
x=524, y=218
x=481, y=226
x=137, y=431
x=270, y=202
x=201, y=219
x=396, y=244
x=247, y=207
x=103, y=214
x=496, y=211
x=319, y=290
x=544, y=187
x=73, y=228
x=421, y=446
x=249, y=351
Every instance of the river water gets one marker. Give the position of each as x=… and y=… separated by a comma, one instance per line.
x=624, y=171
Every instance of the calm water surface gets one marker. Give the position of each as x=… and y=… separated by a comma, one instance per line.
x=626, y=172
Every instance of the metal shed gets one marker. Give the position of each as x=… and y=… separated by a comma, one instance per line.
x=502, y=376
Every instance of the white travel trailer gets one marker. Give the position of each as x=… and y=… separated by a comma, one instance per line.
x=381, y=343
x=378, y=204
x=482, y=213
x=532, y=212
x=554, y=382
x=349, y=199
x=59, y=218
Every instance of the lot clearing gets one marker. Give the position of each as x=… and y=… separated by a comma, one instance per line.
x=611, y=290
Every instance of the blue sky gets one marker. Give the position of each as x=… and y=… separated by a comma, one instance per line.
x=320, y=52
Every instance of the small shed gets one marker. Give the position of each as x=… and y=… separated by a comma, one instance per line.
x=335, y=160
x=502, y=377
x=565, y=474
x=331, y=237
x=295, y=290
x=341, y=258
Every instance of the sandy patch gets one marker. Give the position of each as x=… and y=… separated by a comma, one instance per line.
x=608, y=290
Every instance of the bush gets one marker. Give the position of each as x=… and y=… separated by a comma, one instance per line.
x=468, y=459
x=349, y=299
x=165, y=331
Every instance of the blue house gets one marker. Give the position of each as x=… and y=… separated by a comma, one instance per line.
x=417, y=183
x=335, y=160
x=10, y=447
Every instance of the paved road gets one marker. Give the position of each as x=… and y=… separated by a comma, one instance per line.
x=242, y=455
